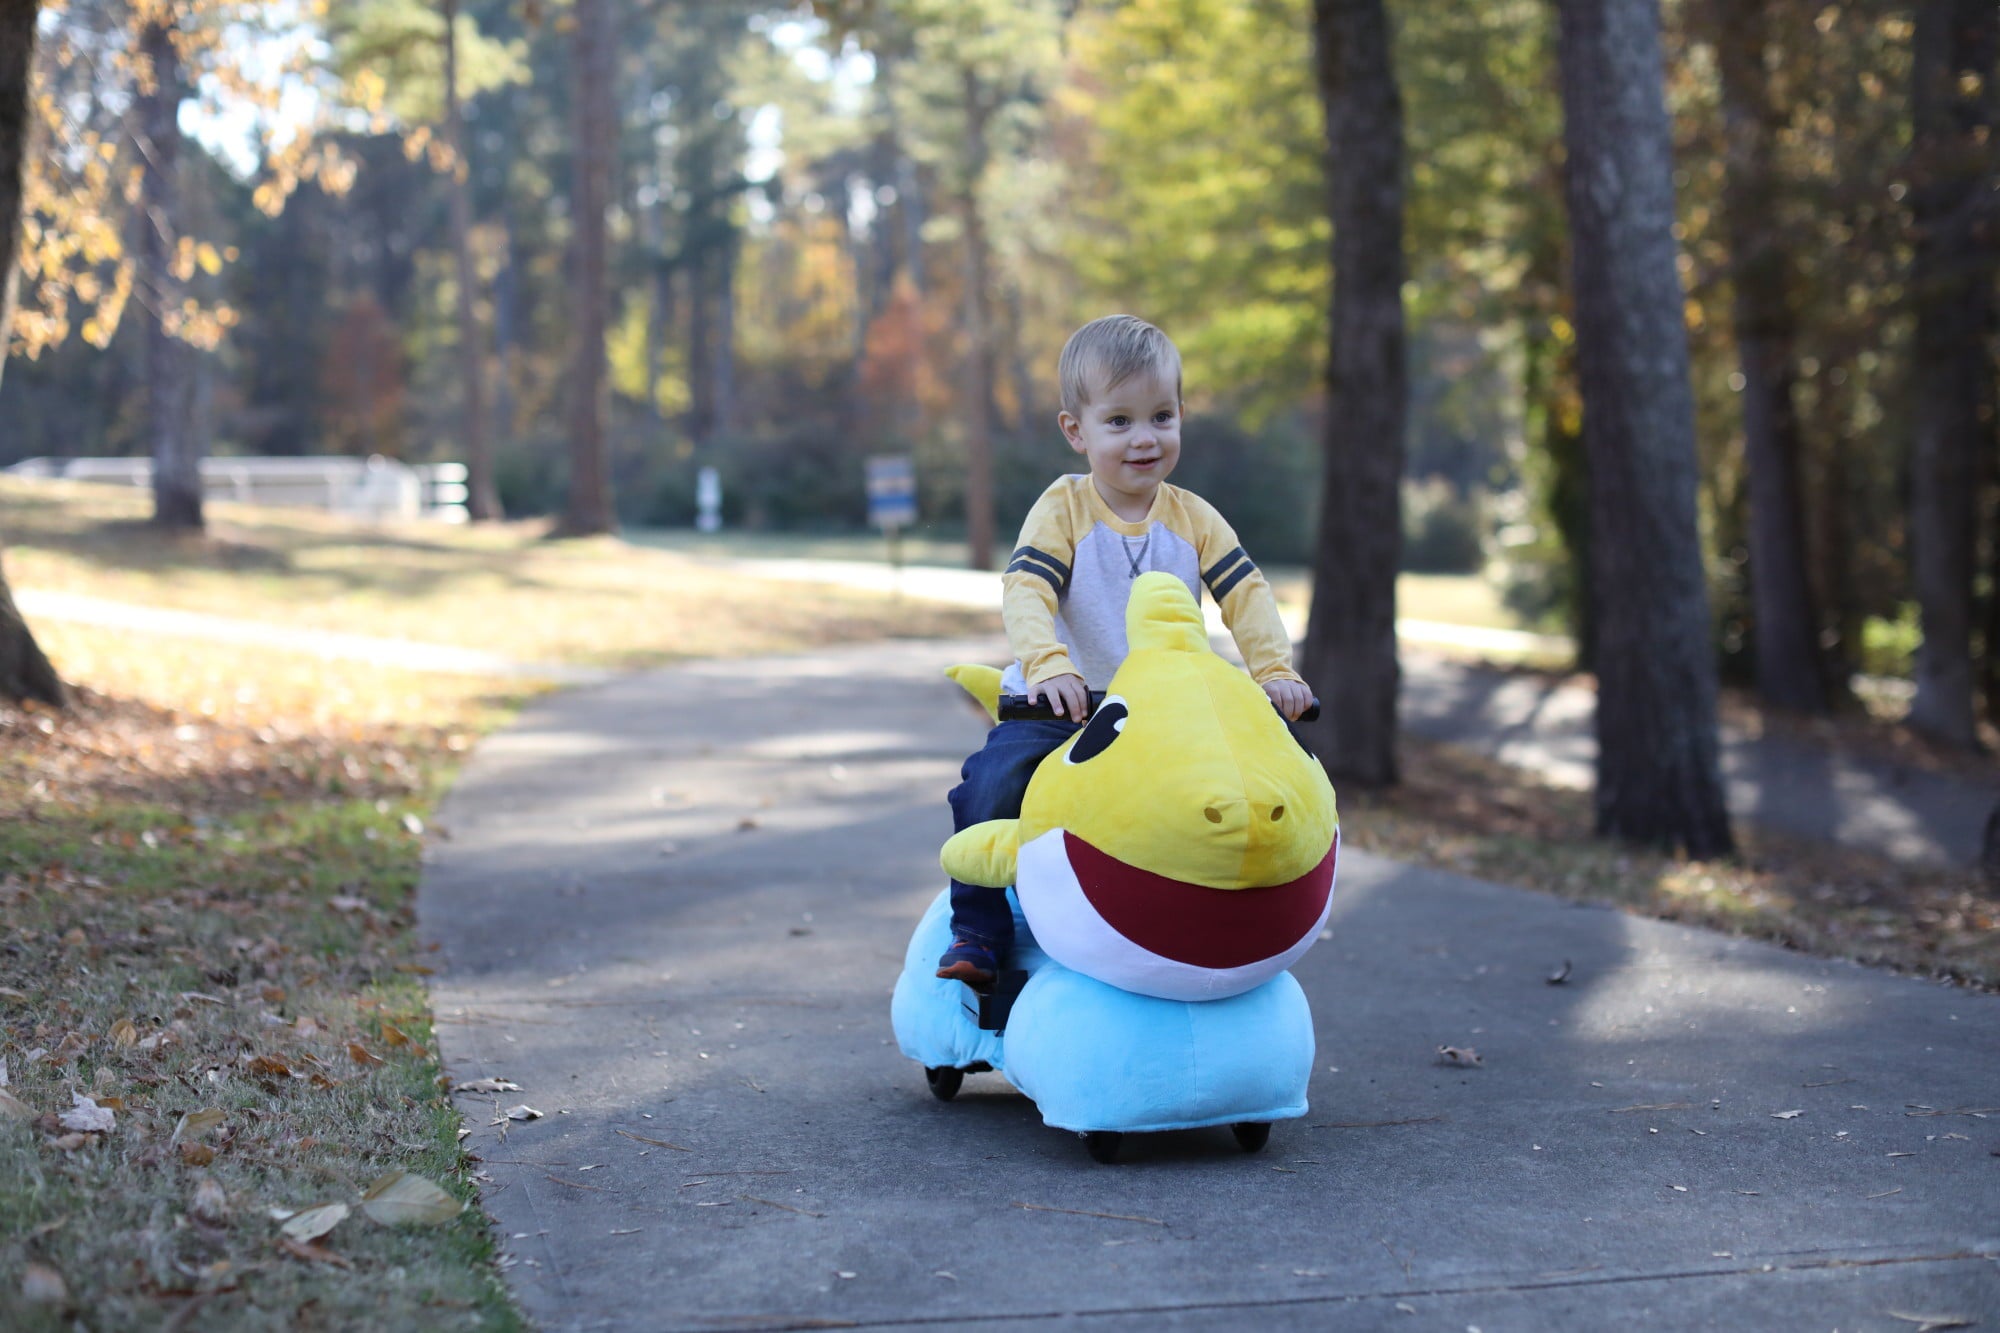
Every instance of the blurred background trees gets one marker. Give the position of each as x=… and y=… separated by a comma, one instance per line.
x=864, y=226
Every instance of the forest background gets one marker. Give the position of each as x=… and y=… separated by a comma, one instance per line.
x=850, y=229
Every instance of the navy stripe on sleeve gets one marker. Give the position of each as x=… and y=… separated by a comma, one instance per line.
x=1217, y=569
x=1243, y=571
x=1029, y=552
x=1030, y=567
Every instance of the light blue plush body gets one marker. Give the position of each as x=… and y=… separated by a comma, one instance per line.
x=1093, y=1057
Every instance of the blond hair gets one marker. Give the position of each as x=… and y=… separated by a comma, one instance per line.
x=1107, y=352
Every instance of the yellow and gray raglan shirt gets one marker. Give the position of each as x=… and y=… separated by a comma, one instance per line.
x=1063, y=595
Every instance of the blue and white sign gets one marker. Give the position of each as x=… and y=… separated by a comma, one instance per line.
x=892, y=491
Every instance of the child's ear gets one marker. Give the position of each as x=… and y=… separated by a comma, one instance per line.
x=1072, y=430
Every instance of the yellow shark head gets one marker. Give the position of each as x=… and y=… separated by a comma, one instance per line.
x=1183, y=842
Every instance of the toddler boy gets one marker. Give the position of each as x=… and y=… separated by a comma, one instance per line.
x=1064, y=590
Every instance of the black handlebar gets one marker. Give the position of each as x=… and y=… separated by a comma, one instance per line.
x=1016, y=708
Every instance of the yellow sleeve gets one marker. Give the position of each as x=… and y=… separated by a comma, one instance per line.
x=1248, y=607
x=1031, y=590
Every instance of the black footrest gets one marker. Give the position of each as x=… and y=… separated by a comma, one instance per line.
x=996, y=1004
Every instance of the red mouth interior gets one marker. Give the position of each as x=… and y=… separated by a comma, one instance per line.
x=1194, y=924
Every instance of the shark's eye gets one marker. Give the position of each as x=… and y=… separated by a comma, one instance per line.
x=1102, y=729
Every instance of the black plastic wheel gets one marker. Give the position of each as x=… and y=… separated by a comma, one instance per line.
x=944, y=1082
x=1251, y=1135
x=1103, y=1145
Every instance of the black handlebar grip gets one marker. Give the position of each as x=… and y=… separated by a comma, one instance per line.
x=1016, y=708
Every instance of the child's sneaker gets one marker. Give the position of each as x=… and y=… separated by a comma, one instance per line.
x=974, y=964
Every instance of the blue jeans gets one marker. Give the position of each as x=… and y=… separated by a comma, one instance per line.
x=995, y=779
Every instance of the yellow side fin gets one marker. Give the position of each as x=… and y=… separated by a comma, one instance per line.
x=982, y=683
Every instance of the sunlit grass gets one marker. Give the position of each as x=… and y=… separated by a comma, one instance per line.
x=505, y=589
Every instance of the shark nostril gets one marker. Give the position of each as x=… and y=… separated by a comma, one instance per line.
x=1213, y=815
x=1277, y=813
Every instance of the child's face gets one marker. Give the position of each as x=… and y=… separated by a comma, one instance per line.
x=1131, y=436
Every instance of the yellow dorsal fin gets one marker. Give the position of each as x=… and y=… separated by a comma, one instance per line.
x=1162, y=614
x=982, y=683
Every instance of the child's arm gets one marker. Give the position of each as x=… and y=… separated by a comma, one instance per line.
x=1031, y=590
x=1248, y=608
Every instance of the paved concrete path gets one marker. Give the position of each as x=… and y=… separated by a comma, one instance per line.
x=1813, y=791
x=672, y=907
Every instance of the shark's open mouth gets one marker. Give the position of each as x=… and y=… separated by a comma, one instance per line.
x=1194, y=924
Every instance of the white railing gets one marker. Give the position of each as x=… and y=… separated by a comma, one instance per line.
x=373, y=488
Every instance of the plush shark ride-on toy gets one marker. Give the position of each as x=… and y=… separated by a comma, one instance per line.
x=1171, y=861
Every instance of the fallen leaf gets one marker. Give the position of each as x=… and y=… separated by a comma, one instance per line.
x=413, y=826
x=272, y=994
x=210, y=1204
x=196, y=1122
x=13, y=1107
x=306, y=1027
x=1926, y=1322
x=315, y=1222
x=657, y=1143
x=1462, y=1056
x=1560, y=975
x=271, y=1066
x=522, y=1112
x=1680, y=1189
x=71, y=1142
x=316, y=1254
x=196, y=1154
x=394, y=1036
x=346, y=903
x=87, y=1117
x=400, y=1197
x=487, y=1085
x=123, y=1033
x=361, y=1055
x=42, y=1285
x=1786, y=1115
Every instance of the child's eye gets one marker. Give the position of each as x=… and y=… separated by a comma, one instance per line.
x=1164, y=417
x=1119, y=421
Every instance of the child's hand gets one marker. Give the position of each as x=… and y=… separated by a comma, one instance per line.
x=1291, y=696
x=1067, y=694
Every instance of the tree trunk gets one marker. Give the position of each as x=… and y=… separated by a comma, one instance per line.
x=483, y=501
x=17, y=62
x=978, y=401
x=24, y=672
x=588, y=510
x=1350, y=644
x=724, y=277
x=1785, y=615
x=176, y=451
x=1951, y=286
x=1658, y=780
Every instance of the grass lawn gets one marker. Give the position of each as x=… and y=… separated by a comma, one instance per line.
x=502, y=589
x=206, y=879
